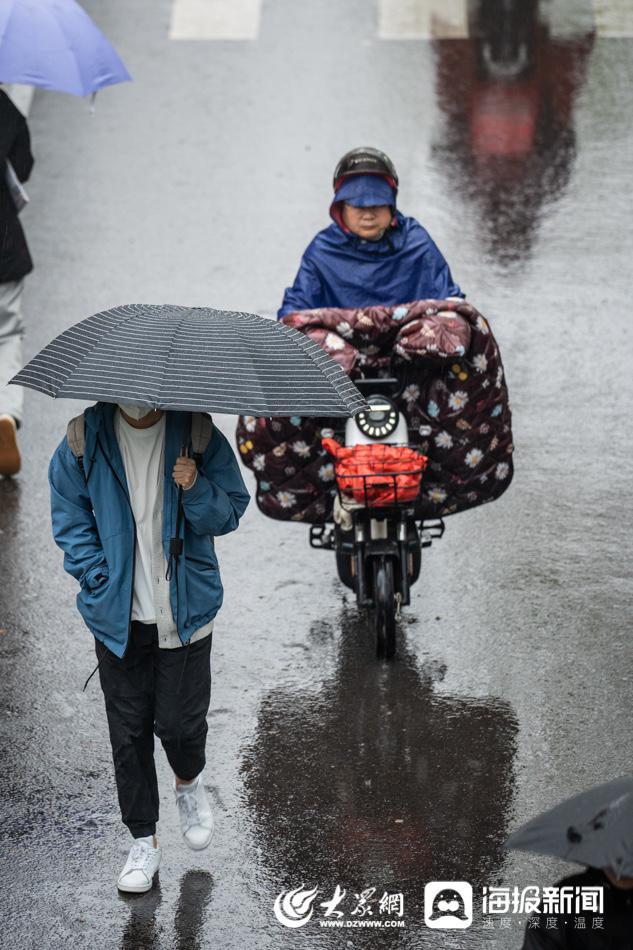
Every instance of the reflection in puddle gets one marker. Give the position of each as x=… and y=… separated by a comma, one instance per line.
x=141, y=931
x=196, y=888
x=508, y=94
x=377, y=778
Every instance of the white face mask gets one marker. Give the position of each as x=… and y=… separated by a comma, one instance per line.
x=134, y=410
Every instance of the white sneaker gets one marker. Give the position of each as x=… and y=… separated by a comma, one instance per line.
x=196, y=819
x=142, y=864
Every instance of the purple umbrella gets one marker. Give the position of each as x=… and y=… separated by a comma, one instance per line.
x=55, y=45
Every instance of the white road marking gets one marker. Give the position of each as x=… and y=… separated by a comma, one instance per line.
x=21, y=96
x=215, y=19
x=569, y=18
x=422, y=19
x=613, y=17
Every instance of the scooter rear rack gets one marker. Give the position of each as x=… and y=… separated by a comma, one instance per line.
x=322, y=535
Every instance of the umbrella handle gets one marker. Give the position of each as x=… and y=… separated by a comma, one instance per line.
x=175, y=544
x=175, y=550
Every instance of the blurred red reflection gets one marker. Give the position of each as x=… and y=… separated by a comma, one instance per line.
x=508, y=93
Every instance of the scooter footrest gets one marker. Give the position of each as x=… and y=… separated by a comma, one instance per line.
x=322, y=537
x=430, y=531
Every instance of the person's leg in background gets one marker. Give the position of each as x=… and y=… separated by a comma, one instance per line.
x=183, y=694
x=128, y=689
x=11, y=397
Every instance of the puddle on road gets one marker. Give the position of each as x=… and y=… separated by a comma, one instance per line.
x=377, y=780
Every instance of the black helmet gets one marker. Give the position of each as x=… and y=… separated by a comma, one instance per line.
x=365, y=161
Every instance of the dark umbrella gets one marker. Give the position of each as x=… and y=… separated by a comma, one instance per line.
x=193, y=359
x=594, y=828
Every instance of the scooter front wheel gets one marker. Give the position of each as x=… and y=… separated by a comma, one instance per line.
x=384, y=607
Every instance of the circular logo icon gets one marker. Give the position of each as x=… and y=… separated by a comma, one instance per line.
x=294, y=908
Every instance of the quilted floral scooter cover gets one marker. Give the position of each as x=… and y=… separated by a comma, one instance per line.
x=449, y=362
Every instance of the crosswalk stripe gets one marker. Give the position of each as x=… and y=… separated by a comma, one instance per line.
x=614, y=17
x=422, y=19
x=215, y=19
x=397, y=19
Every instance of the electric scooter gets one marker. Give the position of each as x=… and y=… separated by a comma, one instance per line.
x=378, y=547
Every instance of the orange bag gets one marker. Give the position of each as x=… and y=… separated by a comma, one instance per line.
x=377, y=474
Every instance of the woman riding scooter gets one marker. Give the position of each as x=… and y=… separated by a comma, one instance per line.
x=371, y=291
x=371, y=254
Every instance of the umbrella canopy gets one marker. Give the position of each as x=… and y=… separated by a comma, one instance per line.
x=195, y=359
x=593, y=828
x=54, y=44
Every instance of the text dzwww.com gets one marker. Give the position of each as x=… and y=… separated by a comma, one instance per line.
x=361, y=923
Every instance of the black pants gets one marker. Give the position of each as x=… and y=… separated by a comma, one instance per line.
x=152, y=691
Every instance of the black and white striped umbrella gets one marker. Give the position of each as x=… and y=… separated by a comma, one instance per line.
x=192, y=358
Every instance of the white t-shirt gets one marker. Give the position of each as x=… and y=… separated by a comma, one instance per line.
x=143, y=454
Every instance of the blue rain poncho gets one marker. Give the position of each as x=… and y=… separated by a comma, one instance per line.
x=339, y=269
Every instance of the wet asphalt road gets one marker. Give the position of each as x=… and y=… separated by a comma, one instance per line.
x=201, y=183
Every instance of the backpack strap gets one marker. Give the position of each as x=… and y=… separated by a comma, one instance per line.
x=201, y=432
x=76, y=437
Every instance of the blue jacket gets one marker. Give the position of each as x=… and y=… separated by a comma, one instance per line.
x=94, y=526
x=339, y=269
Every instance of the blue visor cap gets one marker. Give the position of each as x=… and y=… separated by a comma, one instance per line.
x=366, y=191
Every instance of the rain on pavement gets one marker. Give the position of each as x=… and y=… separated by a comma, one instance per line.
x=201, y=183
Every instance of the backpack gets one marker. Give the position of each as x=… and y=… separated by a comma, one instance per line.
x=201, y=431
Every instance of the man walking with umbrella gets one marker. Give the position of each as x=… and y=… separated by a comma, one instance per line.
x=135, y=515
x=140, y=486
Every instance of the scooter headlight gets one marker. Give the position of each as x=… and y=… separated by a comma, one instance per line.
x=380, y=420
